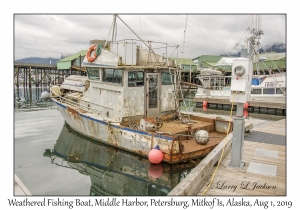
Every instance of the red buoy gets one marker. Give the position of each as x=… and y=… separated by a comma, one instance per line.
x=245, y=113
x=204, y=108
x=155, y=170
x=155, y=156
x=204, y=103
x=246, y=105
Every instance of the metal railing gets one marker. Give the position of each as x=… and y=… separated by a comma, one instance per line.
x=78, y=107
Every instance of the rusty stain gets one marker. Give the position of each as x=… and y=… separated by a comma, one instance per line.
x=72, y=111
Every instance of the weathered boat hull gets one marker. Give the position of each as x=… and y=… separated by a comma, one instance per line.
x=135, y=140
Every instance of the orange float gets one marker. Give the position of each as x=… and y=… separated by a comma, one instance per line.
x=89, y=56
x=155, y=155
x=155, y=170
x=245, y=113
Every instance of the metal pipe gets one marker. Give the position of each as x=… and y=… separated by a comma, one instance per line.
x=114, y=19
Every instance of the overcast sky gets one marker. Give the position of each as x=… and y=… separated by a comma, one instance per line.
x=205, y=34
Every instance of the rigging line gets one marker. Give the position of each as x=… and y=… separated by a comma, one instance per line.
x=116, y=31
x=40, y=37
x=271, y=60
x=176, y=47
x=277, y=29
x=250, y=19
x=237, y=43
x=231, y=31
x=150, y=49
x=271, y=34
x=140, y=25
x=245, y=24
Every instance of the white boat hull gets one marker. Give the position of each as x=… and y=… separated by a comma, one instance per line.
x=225, y=94
x=113, y=134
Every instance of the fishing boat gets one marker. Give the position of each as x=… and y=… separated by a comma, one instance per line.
x=109, y=168
x=131, y=99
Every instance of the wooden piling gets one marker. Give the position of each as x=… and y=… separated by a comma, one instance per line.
x=24, y=77
x=18, y=77
x=29, y=75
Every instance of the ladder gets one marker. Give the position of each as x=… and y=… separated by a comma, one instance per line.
x=178, y=95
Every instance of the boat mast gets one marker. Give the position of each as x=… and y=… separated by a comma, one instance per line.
x=254, y=37
x=112, y=26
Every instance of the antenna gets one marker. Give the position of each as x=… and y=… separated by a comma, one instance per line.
x=184, y=37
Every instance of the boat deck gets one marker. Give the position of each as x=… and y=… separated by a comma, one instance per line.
x=190, y=145
x=176, y=127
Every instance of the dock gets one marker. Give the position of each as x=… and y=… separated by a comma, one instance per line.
x=20, y=188
x=35, y=74
x=263, y=173
x=265, y=105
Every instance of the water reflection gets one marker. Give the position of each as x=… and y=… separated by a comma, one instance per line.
x=29, y=99
x=112, y=171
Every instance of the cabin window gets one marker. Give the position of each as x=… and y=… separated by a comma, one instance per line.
x=135, y=78
x=112, y=76
x=279, y=90
x=153, y=91
x=93, y=73
x=166, y=78
x=256, y=91
x=269, y=91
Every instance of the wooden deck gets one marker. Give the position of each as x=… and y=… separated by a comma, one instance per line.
x=277, y=127
x=234, y=181
x=264, y=172
x=20, y=188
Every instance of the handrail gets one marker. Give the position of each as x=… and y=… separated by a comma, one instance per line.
x=79, y=106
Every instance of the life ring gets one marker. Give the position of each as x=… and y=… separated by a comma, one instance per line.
x=89, y=52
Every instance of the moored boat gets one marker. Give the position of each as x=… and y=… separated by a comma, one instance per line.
x=131, y=100
x=214, y=84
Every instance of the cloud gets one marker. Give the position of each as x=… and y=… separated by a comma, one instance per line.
x=205, y=34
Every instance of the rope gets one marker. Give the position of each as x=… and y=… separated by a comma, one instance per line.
x=99, y=50
x=226, y=139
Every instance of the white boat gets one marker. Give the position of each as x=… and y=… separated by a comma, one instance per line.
x=213, y=84
x=130, y=100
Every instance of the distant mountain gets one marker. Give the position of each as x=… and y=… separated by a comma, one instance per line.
x=41, y=60
x=38, y=60
x=278, y=48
